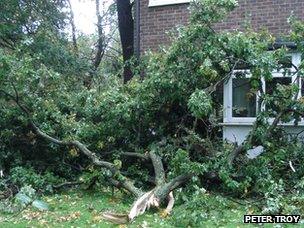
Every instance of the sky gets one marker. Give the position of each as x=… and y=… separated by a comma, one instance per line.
x=84, y=14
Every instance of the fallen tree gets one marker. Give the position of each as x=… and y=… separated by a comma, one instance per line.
x=137, y=136
x=162, y=192
x=159, y=194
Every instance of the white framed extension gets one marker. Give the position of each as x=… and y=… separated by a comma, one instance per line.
x=236, y=128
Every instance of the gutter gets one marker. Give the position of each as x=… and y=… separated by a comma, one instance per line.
x=281, y=43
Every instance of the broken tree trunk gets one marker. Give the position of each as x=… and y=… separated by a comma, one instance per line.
x=162, y=192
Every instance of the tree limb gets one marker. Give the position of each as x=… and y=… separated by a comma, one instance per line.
x=67, y=184
x=158, y=168
x=163, y=191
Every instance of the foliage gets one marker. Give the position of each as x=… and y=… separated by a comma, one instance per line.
x=21, y=176
x=18, y=17
x=174, y=110
x=200, y=104
x=205, y=209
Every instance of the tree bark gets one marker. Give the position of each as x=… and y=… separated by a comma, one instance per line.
x=126, y=31
x=72, y=21
x=100, y=42
x=67, y=184
x=158, y=168
x=163, y=191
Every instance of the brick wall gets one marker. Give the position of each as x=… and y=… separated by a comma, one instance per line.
x=155, y=22
x=270, y=14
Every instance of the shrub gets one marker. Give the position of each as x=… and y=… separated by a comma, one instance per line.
x=22, y=176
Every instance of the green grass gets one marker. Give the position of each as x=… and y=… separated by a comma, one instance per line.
x=79, y=209
x=83, y=209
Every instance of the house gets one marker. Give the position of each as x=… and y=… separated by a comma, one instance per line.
x=154, y=18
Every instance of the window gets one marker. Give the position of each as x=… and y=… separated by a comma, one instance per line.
x=166, y=2
x=243, y=98
x=286, y=62
x=242, y=103
x=271, y=87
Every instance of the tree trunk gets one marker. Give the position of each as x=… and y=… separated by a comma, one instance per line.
x=100, y=47
x=72, y=21
x=100, y=42
x=126, y=31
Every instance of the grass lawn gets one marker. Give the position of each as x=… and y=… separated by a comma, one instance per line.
x=82, y=209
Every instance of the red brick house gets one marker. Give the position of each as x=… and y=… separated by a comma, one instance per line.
x=157, y=17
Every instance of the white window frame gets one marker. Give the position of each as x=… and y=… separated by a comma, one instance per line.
x=153, y=3
x=228, y=93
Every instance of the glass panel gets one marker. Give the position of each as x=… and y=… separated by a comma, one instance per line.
x=286, y=62
x=242, y=65
x=272, y=85
x=243, y=99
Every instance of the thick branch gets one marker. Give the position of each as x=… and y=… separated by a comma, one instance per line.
x=67, y=184
x=162, y=192
x=158, y=168
x=170, y=203
x=95, y=160
x=128, y=185
x=235, y=153
x=178, y=181
x=275, y=123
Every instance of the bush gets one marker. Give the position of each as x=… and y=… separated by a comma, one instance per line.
x=22, y=176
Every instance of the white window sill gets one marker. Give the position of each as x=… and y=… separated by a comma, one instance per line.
x=290, y=124
x=154, y=3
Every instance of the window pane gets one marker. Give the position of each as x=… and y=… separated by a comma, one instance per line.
x=272, y=85
x=243, y=99
x=242, y=66
x=286, y=62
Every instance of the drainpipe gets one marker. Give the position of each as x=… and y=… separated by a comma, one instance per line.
x=137, y=51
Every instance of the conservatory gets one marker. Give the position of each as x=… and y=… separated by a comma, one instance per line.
x=241, y=105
